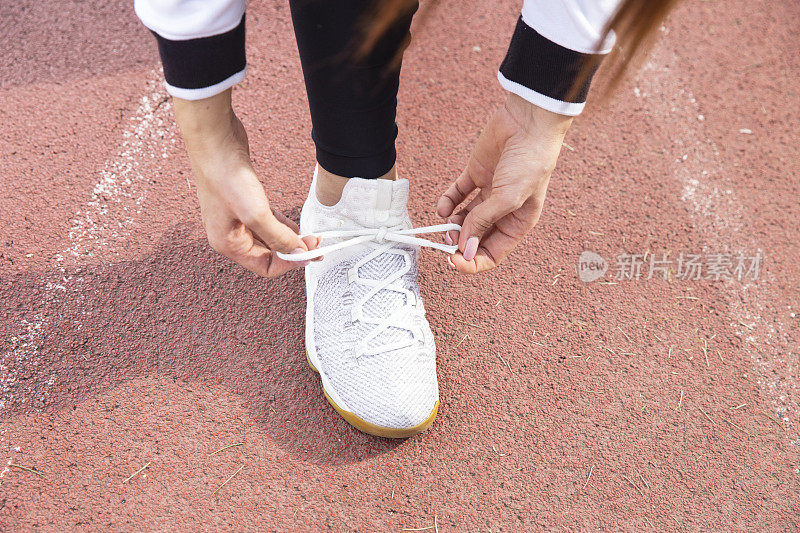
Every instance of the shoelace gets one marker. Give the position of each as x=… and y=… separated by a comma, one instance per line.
x=384, y=240
x=378, y=235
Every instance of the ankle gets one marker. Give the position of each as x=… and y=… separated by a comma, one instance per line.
x=330, y=186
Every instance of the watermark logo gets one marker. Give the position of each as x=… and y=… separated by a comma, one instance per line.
x=591, y=266
x=689, y=267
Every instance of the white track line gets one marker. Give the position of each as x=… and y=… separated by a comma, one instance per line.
x=97, y=230
x=716, y=211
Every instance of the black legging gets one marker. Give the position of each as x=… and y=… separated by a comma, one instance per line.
x=353, y=101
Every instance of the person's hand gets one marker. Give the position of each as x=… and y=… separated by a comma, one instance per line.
x=237, y=216
x=510, y=166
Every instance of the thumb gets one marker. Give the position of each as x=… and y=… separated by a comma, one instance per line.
x=478, y=221
x=278, y=236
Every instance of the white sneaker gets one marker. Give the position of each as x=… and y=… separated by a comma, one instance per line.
x=366, y=332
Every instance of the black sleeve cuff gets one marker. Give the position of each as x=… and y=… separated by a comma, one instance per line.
x=536, y=64
x=199, y=68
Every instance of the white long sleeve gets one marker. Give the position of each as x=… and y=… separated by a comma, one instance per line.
x=202, y=47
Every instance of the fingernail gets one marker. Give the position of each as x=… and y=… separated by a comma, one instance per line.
x=450, y=262
x=448, y=240
x=298, y=251
x=471, y=248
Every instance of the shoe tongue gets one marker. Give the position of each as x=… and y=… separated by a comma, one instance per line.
x=375, y=203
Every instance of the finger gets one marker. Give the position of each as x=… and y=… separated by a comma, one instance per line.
x=286, y=221
x=497, y=243
x=455, y=194
x=506, y=234
x=482, y=262
x=478, y=172
x=458, y=218
x=263, y=261
x=258, y=240
x=276, y=235
x=312, y=241
x=471, y=205
x=451, y=237
x=480, y=220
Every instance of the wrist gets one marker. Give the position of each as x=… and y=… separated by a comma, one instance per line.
x=535, y=120
x=215, y=139
x=207, y=122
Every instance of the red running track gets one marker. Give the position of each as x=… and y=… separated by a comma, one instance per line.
x=124, y=341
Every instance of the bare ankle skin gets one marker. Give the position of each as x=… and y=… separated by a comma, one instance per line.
x=329, y=186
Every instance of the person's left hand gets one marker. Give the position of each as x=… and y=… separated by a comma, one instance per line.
x=510, y=166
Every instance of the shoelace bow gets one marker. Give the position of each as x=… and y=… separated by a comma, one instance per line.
x=384, y=240
x=378, y=235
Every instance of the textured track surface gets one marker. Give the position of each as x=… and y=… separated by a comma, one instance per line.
x=124, y=341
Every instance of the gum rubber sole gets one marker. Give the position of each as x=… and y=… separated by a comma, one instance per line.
x=373, y=429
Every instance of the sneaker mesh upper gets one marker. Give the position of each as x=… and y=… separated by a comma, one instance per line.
x=392, y=389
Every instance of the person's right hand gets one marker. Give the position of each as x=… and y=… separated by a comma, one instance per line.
x=237, y=216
